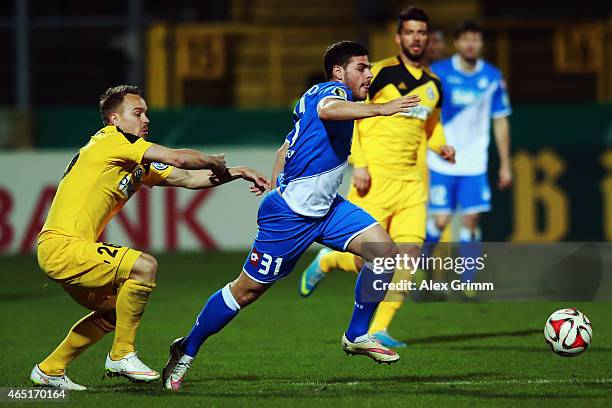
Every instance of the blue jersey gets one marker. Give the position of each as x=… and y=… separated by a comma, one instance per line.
x=317, y=154
x=471, y=100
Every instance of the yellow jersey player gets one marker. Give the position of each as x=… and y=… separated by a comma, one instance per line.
x=387, y=180
x=113, y=281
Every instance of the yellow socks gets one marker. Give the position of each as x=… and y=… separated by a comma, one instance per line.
x=338, y=260
x=391, y=304
x=131, y=302
x=384, y=314
x=83, y=334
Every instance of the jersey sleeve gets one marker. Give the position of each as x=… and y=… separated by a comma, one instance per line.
x=336, y=92
x=156, y=173
x=437, y=139
x=500, y=106
x=128, y=148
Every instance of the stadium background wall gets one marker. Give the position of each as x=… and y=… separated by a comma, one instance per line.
x=562, y=189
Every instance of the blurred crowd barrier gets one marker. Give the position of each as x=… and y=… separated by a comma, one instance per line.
x=254, y=65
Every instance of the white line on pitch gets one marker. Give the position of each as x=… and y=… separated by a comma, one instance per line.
x=469, y=382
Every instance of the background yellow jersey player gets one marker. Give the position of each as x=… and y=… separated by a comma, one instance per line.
x=113, y=281
x=387, y=181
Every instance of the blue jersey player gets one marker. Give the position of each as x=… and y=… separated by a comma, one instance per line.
x=475, y=95
x=304, y=207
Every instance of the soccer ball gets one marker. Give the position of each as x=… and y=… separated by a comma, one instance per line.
x=568, y=332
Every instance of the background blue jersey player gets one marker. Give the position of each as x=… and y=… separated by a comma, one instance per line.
x=474, y=94
x=305, y=207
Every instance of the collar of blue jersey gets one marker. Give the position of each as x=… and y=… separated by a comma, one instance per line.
x=457, y=66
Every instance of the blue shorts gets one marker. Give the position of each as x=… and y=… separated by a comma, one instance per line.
x=283, y=235
x=469, y=194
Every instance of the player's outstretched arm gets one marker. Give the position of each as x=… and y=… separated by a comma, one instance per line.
x=337, y=109
x=201, y=179
x=188, y=159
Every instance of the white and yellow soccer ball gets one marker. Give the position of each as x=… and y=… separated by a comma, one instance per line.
x=568, y=332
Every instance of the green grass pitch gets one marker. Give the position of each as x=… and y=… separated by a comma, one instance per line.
x=285, y=350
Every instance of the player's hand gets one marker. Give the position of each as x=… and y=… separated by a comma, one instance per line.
x=362, y=180
x=260, y=183
x=505, y=177
x=402, y=104
x=217, y=164
x=447, y=152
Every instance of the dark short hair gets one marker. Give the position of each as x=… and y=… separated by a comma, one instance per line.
x=467, y=26
x=113, y=98
x=341, y=53
x=411, y=13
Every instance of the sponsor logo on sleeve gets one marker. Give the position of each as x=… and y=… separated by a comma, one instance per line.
x=340, y=92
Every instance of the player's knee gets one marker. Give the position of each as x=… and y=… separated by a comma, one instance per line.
x=387, y=250
x=391, y=251
x=411, y=250
x=381, y=247
x=145, y=269
x=440, y=225
x=150, y=268
x=374, y=251
x=442, y=221
x=470, y=221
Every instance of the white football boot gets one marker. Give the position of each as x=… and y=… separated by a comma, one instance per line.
x=176, y=367
x=131, y=368
x=368, y=346
x=62, y=382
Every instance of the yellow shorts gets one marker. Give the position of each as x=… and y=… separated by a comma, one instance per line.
x=398, y=205
x=76, y=262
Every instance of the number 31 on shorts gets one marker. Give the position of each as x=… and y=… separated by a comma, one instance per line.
x=266, y=262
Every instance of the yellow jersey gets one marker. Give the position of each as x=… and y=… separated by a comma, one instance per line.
x=389, y=145
x=99, y=180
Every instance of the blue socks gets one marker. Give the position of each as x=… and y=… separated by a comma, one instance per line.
x=432, y=232
x=219, y=310
x=432, y=237
x=366, y=300
x=470, y=246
